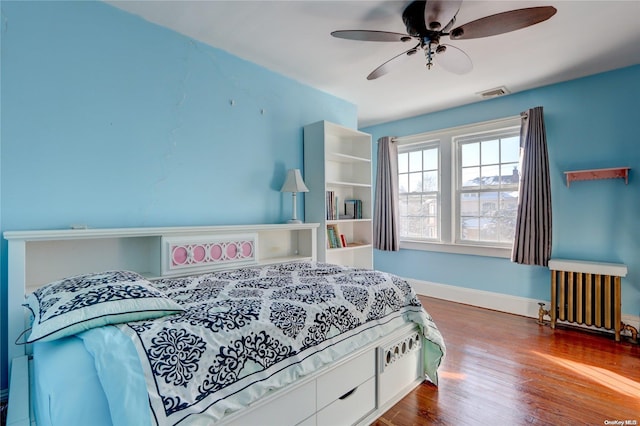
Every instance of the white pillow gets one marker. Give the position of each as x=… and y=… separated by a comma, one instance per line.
x=78, y=303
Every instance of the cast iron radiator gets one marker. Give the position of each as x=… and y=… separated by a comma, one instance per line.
x=587, y=293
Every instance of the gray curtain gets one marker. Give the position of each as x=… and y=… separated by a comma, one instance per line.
x=385, y=214
x=532, y=244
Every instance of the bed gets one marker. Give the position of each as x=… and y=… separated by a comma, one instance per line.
x=220, y=325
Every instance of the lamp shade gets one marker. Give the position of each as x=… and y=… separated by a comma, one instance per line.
x=294, y=182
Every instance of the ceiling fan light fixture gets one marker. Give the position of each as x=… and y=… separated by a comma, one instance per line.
x=494, y=93
x=456, y=33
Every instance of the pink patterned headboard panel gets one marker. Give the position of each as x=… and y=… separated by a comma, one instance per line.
x=184, y=254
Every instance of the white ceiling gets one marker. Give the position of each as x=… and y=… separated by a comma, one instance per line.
x=292, y=38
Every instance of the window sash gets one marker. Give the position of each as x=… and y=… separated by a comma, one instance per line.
x=487, y=224
x=415, y=223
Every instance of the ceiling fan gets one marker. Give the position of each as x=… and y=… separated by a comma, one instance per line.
x=428, y=21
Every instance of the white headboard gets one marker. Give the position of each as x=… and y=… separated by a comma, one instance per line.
x=39, y=257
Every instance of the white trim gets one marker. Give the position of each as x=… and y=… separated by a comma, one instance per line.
x=516, y=305
x=481, y=127
x=502, y=252
x=75, y=234
x=582, y=266
x=483, y=299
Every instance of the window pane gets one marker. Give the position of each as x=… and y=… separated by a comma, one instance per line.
x=469, y=204
x=490, y=175
x=414, y=227
x=415, y=182
x=414, y=207
x=489, y=202
x=470, y=153
x=430, y=159
x=403, y=205
x=470, y=228
x=430, y=181
x=489, y=229
x=470, y=177
x=491, y=152
x=430, y=205
x=429, y=228
x=403, y=183
x=415, y=161
x=510, y=174
x=403, y=162
x=510, y=149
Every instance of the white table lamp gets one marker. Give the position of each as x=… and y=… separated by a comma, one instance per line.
x=294, y=184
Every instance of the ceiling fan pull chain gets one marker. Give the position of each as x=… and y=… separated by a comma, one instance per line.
x=429, y=57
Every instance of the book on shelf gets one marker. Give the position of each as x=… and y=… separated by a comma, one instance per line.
x=353, y=208
x=334, y=238
x=332, y=203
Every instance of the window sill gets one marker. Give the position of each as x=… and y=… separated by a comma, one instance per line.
x=457, y=249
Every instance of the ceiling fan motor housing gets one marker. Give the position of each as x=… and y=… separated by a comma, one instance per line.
x=414, y=20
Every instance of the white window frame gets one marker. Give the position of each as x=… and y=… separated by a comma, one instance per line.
x=431, y=144
x=449, y=241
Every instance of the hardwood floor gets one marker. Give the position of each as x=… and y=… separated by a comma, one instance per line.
x=504, y=369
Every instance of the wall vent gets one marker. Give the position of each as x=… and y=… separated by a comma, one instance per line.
x=492, y=93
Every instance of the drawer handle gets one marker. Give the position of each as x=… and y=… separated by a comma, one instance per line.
x=348, y=394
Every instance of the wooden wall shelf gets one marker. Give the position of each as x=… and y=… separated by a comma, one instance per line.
x=611, y=173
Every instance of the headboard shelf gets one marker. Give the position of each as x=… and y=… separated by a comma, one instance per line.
x=39, y=257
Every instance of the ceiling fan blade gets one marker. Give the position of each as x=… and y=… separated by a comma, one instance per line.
x=501, y=23
x=439, y=13
x=392, y=63
x=453, y=59
x=367, y=35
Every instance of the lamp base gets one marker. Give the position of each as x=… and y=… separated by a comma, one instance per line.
x=294, y=221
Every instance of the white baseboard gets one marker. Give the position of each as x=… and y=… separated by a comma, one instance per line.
x=495, y=301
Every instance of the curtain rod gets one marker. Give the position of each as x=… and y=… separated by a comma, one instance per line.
x=418, y=136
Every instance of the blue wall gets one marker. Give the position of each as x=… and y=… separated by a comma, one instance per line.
x=111, y=121
x=591, y=122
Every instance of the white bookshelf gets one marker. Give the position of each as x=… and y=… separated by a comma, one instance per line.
x=338, y=159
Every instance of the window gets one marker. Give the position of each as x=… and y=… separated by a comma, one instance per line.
x=458, y=188
x=487, y=187
x=419, y=192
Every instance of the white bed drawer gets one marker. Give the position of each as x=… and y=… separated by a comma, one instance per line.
x=311, y=421
x=351, y=408
x=290, y=409
x=346, y=377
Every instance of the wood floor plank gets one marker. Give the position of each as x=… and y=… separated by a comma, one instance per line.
x=507, y=369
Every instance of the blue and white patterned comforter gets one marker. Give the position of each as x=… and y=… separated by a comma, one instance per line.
x=249, y=331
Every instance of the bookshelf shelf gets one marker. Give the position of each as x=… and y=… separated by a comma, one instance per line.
x=362, y=185
x=347, y=220
x=353, y=246
x=343, y=158
x=337, y=169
